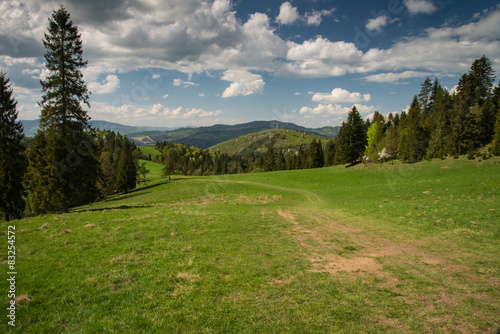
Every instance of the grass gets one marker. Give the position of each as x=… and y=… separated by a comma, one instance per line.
x=382, y=249
x=150, y=150
x=281, y=139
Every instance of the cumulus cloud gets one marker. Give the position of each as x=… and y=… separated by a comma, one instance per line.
x=420, y=6
x=194, y=36
x=378, y=23
x=392, y=77
x=288, y=14
x=335, y=109
x=243, y=83
x=320, y=57
x=315, y=17
x=158, y=113
x=339, y=95
x=180, y=82
x=110, y=85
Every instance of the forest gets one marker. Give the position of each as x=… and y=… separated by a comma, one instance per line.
x=68, y=163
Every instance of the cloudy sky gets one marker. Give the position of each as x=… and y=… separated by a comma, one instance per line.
x=195, y=62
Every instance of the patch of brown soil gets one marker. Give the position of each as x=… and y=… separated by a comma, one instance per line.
x=22, y=299
x=188, y=277
x=325, y=239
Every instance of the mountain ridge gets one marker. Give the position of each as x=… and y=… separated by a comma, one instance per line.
x=203, y=136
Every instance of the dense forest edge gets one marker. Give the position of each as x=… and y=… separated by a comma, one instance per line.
x=68, y=163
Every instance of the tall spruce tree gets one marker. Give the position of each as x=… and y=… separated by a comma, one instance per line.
x=352, y=138
x=72, y=170
x=126, y=169
x=12, y=158
x=474, y=90
x=412, y=144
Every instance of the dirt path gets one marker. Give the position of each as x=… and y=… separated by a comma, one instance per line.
x=309, y=195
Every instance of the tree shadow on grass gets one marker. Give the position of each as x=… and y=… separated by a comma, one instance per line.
x=121, y=207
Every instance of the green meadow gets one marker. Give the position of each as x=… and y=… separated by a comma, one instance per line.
x=389, y=248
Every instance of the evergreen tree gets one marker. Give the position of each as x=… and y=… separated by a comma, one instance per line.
x=474, y=90
x=330, y=152
x=315, y=156
x=495, y=145
x=73, y=167
x=171, y=159
x=269, y=159
x=440, y=131
x=107, y=181
x=412, y=145
x=12, y=159
x=281, y=162
x=352, y=138
x=126, y=169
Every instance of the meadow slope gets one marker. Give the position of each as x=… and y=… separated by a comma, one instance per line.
x=392, y=248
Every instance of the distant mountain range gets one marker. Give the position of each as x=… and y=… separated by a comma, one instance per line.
x=31, y=126
x=203, y=137
x=207, y=136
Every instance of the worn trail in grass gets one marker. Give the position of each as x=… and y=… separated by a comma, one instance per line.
x=384, y=249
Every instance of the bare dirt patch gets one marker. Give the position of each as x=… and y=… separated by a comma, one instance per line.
x=188, y=277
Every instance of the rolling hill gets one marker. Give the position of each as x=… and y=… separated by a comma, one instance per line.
x=205, y=137
x=281, y=139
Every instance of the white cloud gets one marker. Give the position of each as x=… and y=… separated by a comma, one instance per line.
x=339, y=95
x=420, y=6
x=180, y=82
x=288, y=14
x=200, y=113
x=157, y=113
x=335, y=109
x=377, y=23
x=110, y=85
x=155, y=76
x=320, y=58
x=392, y=77
x=243, y=83
x=164, y=96
x=315, y=17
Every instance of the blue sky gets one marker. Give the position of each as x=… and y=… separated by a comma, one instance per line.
x=193, y=62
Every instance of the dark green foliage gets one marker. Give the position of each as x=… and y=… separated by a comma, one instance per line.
x=269, y=160
x=171, y=161
x=315, y=156
x=330, y=153
x=126, y=170
x=495, y=145
x=412, y=145
x=107, y=181
x=280, y=162
x=352, y=138
x=12, y=159
x=66, y=149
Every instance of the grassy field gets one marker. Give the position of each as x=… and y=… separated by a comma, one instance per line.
x=391, y=248
x=281, y=139
x=150, y=150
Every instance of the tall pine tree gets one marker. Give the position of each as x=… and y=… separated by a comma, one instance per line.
x=12, y=159
x=72, y=169
x=352, y=138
